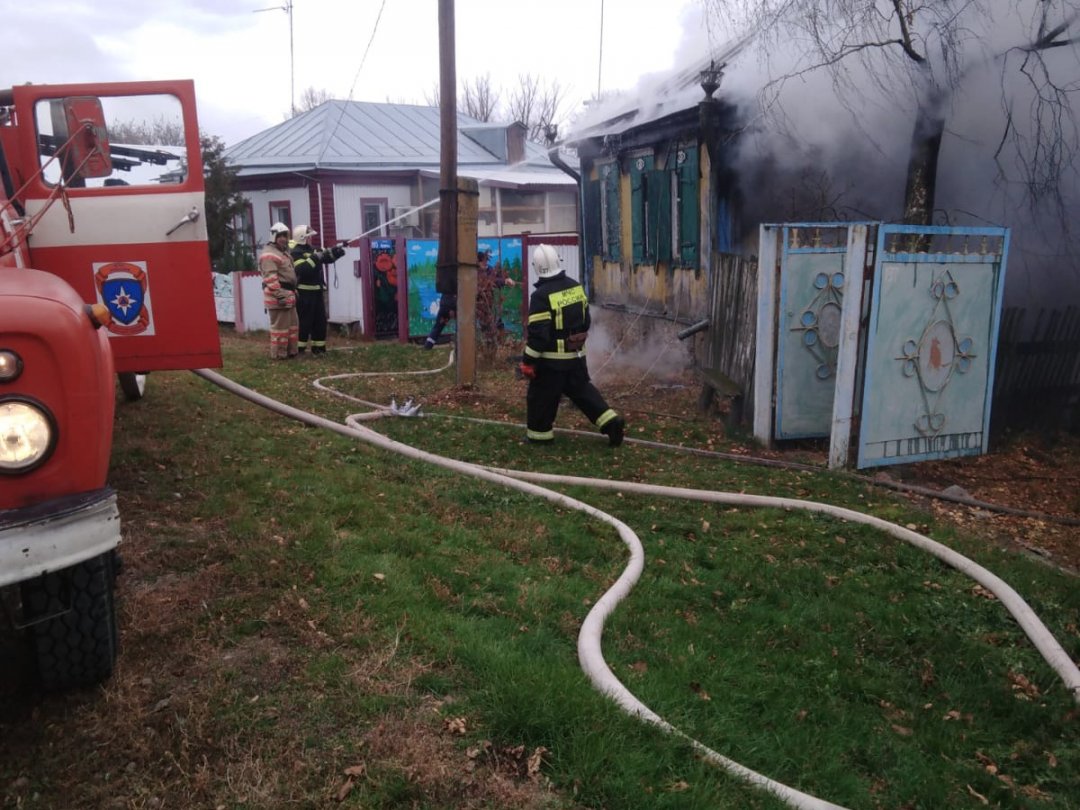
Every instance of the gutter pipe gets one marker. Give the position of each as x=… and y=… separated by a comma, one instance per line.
x=556, y=158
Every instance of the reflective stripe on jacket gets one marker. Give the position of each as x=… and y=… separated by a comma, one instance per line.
x=278, y=276
x=558, y=320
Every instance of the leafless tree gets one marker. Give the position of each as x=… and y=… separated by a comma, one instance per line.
x=929, y=51
x=536, y=104
x=162, y=131
x=479, y=98
x=311, y=98
x=431, y=97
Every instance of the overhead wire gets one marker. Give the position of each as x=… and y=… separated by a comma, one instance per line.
x=356, y=78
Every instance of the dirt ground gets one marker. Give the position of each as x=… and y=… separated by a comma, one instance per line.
x=1029, y=472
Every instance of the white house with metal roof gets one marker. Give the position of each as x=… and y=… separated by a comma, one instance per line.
x=351, y=168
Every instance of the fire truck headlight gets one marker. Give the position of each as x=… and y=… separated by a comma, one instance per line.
x=27, y=435
x=10, y=365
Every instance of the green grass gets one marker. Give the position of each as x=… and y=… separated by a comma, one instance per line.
x=351, y=590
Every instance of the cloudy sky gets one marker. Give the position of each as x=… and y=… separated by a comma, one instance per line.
x=239, y=56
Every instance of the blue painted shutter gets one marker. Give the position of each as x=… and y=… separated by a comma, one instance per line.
x=591, y=218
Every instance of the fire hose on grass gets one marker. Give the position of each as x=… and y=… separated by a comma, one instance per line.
x=590, y=654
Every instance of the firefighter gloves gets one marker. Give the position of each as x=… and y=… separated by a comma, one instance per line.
x=528, y=371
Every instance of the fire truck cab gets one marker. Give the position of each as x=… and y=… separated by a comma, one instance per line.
x=104, y=275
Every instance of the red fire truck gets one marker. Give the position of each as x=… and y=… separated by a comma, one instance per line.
x=104, y=276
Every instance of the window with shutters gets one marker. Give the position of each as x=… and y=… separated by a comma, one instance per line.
x=686, y=223
x=610, y=212
x=643, y=209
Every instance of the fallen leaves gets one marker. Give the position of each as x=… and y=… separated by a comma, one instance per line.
x=352, y=773
x=455, y=725
x=1022, y=687
x=515, y=759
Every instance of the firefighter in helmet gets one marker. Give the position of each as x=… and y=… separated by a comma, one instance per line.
x=311, y=287
x=279, y=293
x=554, y=356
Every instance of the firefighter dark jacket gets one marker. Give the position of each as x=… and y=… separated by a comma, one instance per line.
x=558, y=322
x=308, y=263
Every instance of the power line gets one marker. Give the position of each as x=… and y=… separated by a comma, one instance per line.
x=356, y=78
x=287, y=8
x=600, y=62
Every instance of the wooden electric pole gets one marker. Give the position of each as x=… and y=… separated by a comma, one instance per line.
x=458, y=201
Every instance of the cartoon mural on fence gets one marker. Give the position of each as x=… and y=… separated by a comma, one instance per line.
x=421, y=256
x=505, y=257
x=504, y=301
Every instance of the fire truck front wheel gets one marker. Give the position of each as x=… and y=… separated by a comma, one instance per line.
x=74, y=630
x=133, y=384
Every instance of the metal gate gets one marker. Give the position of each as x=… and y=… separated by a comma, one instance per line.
x=811, y=297
x=934, y=318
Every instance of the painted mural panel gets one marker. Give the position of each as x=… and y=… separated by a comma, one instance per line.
x=385, y=281
x=421, y=255
x=506, y=258
x=224, y=299
x=930, y=354
x=811, y=298
x=424, y=298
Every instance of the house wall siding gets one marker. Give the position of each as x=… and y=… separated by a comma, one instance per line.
x=347, y=204
x=297, y=198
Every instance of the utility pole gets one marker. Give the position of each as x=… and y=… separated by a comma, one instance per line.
x=458, y=201
x=287, y=8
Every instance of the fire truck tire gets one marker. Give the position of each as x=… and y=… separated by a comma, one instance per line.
x=77, y=646
x=132, y=384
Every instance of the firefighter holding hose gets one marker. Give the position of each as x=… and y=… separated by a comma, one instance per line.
x=311, y=287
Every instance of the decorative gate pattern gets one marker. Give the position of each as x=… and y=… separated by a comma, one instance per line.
x=808, y=327
x=934, y=319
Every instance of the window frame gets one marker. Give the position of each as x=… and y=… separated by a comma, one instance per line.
x=276, y=207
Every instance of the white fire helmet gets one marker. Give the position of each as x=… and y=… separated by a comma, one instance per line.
x=277, y=229
x=546, y=261
x=301, y=234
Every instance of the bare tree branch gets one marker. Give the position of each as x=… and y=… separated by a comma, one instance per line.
x=479, y=99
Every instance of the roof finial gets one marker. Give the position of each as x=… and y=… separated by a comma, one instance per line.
x=710, y=78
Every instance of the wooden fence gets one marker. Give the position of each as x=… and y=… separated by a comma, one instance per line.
x=1037, y=378
x=729, y=353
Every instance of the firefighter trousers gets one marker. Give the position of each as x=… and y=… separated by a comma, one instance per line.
x=552, y=381
x=311, y=311
x=283, y=332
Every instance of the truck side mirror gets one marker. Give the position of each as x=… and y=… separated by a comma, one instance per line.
x=89, y=149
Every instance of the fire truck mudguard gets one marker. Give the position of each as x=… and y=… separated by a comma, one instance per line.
x=57, y=534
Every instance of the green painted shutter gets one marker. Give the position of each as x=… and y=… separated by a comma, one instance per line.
x=660, y=214
x=689, y=207
x=614, y=218
x=640, y=171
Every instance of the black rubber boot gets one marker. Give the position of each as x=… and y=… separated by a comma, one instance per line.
x=614, y=431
